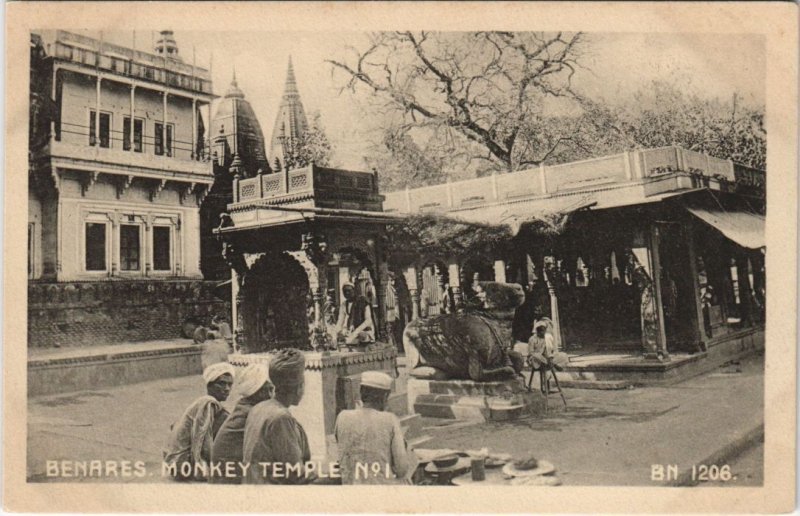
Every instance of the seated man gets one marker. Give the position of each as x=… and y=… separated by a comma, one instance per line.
x=542, y=352
x=541, y=346
x=355, y=323
x=191, y=437
x=254, y=387
x=372, y=449
x=275, y=444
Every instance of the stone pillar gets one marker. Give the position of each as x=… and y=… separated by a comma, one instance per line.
x=500, y=271
x=318, y=296
x=454, y=277
x=410, y=275
x=654, y=249
x=240, y=340
x=115, y=244
x=194, y=128
x=164, y=127
x=53, y=94
x=548, y=272
x=148, y=248
x=381, y=288
x=745, y=297
x=697, y=314
x=133, y=119
x=179, y=254
x=234, y=308
x=97, y=113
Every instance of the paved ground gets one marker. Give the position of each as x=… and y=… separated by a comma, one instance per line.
x=604, y=438
x=616, y=437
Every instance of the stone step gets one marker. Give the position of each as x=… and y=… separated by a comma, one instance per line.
x=603, y=385
x=412, y=424
x=507, y=413
x=476, y=401
x=471, y=388
x=435, y=410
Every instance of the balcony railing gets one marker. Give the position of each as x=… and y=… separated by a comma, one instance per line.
x=593, y=173
x=131, y=63
x=326, y=182
x=146, y=143
x=117, y=157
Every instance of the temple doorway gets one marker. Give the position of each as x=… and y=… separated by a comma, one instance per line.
x=278, y=301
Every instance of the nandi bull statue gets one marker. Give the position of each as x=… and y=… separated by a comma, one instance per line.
x=472, y=344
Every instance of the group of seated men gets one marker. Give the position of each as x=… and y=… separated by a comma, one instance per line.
x=209, y=444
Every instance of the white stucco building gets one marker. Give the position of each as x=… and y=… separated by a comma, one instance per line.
x=109, y=198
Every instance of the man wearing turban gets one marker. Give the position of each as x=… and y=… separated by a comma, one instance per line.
x=371, y=435
x=188, y=448
x=271, y=434
x=254, y=387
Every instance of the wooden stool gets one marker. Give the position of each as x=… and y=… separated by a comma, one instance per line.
x=545, y=372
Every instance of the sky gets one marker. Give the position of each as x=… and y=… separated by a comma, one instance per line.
x=711, y=65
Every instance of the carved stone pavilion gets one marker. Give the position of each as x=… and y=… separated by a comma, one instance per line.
x=292, y=239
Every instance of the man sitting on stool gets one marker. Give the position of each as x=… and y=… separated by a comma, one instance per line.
x=542, y=352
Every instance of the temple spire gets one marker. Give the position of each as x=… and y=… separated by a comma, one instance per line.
x=291, y=122
x=290, y=88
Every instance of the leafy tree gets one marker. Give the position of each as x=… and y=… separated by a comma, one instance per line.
x=313, y=146
x=663, y=114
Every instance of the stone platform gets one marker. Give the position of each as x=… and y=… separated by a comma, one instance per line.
x=470, y=400
x=59, y=370
x=619, y=371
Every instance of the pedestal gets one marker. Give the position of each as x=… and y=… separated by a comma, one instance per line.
x=470, y=400
x=323, y=398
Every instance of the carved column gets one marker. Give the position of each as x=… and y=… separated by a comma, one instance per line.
x=700, y=337
x=239, y=269
x=410, y=275
x=454, y=276
x=443, y=290
x=420, y=287
x=240, y=339
x=500, y=271
x=549, y=272
x=315, y=246
x=381, y=289
x=662, y=334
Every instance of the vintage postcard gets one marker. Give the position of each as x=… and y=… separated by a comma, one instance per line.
x=413, y=257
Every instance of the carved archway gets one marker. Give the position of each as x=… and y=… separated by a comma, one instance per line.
x=277, y=302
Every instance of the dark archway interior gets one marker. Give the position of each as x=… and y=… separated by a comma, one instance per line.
x=278, y=298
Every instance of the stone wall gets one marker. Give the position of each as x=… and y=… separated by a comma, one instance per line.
x=107, y=312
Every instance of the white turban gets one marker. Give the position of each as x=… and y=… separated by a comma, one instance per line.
x=214, y=371
x=252, y=379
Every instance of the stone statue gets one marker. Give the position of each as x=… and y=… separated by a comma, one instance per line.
x=471, y=345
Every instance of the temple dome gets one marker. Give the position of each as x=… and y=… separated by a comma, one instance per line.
x=236, y=121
